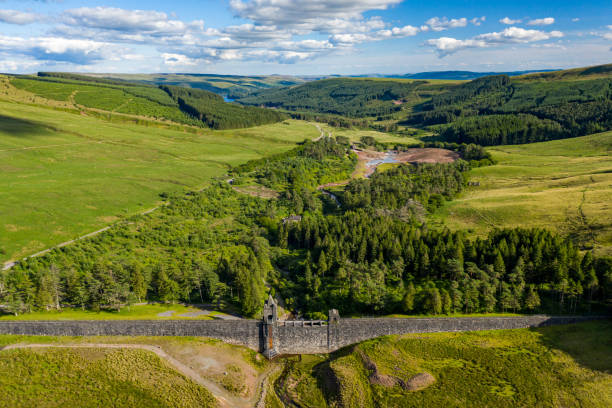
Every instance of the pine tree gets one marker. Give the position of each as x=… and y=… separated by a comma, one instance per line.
x=408, y=301
x=532, y=300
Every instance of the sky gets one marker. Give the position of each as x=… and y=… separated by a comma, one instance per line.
x=302, y=37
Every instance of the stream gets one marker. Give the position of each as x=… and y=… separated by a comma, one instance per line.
x=389, y=157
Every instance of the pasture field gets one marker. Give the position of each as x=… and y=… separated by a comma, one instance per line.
x=563, y=185
x=547, y=367
x=63, y=175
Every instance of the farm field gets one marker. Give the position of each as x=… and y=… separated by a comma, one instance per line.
x=542, y=185
x=63, y=175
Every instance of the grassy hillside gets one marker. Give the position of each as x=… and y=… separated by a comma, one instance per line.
x=63, y=175
x=94, y=378
x=143, y=100
x=173, y=372
x=547, y=367
x=564, y=185
x=232, y=86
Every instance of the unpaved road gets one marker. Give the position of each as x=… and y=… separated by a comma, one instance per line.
x=226, y=400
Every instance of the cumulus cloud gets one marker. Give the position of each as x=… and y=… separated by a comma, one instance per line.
x=575, y=20
x=309, y=15
x=141, y=21
x=541, y=21
x=19, y=17
x=509, y=21
x=74, y=51
x=441, y=24
x=446, y=45
x=511, y=35
x=478, y=20
x=519, y=35
x=178, y=60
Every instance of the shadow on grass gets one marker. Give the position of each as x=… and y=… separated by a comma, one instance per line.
x=588, y=343
x=21, y=127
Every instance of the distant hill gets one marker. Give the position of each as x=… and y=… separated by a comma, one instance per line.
x=230, y=86
x=461, y=75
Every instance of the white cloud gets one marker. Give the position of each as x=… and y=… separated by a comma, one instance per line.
x=541, y=21
x=511, y=35
x=519, y=35
x=477, y=21
x=134, y=21
x=575, y=20
x=58, y=49
x=310, y=15
x=441, y=24
x=19, y=17
x=178, y=60
x=509, y=21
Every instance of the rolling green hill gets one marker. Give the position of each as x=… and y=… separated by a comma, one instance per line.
x=564, y=185
x=352, y=97
x=493, y=110
x=231, y=86
x=145, y=101
x=67, y=172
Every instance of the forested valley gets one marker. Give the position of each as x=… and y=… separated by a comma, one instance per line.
x=493, y=110
x=374, y=253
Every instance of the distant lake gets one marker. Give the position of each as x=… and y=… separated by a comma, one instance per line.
x=226, y=99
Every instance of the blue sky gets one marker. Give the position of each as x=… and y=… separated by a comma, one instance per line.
x=302, y=37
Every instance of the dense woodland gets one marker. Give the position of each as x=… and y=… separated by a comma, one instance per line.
x=375, y=254
x=210, y=108
x=490, y=110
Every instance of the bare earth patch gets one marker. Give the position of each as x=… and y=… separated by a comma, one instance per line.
x=427, y=155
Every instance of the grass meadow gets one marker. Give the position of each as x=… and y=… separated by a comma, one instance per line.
x=120, y=371
x=557, y=366
x=63, y=175
x=541, y=185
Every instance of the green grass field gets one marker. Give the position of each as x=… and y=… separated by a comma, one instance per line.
x=95, y=378
x=541, y=185
x=559, y=366
x=120, y=371
x=63, y=175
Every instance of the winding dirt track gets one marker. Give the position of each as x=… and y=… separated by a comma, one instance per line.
x=225, y=399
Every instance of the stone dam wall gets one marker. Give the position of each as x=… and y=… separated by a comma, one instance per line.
x=290, y=337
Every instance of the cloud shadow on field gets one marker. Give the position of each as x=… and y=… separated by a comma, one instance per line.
x=21, y=127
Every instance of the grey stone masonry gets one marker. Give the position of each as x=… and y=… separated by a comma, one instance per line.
x=272, y=336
